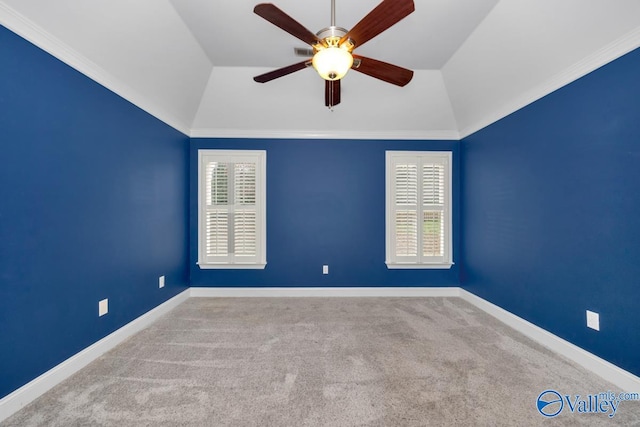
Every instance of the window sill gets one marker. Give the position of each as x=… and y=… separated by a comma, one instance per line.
x=253, y=266
x=408, y=266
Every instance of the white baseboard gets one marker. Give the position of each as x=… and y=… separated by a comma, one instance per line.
x=325, y=292
x=608, y=371
x=29, y=392
x=35, y=388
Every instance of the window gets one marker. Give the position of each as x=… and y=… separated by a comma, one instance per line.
x=418, y=209
x=231, y=209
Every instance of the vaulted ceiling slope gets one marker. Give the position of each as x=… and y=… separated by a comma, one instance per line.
x=191, y=62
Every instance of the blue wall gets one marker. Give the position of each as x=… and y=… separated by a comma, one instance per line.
x=325, y=205
x=95, y=198
x=93, y=205
x=551, y=212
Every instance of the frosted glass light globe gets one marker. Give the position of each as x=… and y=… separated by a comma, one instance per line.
x=332, y=63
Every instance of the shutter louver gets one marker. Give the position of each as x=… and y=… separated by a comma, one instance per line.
x=245, y=183
x=406, y=233
x=432, y=234
x=217, y=184
x=406, y=185
x=244, y=233
x=433, y=184
x=217, y=234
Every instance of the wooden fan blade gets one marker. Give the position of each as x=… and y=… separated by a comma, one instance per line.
x=381, y=70
x=331, y=93
x=280, y=19
x=280, y=72
x=383, y=16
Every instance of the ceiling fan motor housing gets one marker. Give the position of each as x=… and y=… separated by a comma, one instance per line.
x=332, y=31
x=331, y=36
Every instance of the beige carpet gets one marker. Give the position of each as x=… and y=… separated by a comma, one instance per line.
x=322, y=362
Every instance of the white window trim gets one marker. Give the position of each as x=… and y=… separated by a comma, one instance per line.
x=448, y=255
x=261, y=194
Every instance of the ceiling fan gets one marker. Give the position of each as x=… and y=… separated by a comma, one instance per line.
x=333, y=46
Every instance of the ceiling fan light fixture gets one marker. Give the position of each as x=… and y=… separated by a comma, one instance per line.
x=332, y=63
x=331, y=47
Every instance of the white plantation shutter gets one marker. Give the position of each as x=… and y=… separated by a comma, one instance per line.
x=406, y=213
x=244, y=233
x=232, y=209
x=245, y=217
x=217, y=233
x=433, y=209
x=418, y=209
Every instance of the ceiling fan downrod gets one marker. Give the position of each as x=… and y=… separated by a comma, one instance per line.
x=333, y=13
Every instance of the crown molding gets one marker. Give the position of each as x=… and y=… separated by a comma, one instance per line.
x=450, y=135
x=609, y=53
x=33, y=33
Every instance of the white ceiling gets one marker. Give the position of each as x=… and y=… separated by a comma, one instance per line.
x=233, y=36
x=191, y=62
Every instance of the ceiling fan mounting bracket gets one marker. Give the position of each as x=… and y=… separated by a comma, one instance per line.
x=331, y=36
x=332, y=31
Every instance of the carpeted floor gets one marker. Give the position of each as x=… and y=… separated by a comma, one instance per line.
x=322, y=362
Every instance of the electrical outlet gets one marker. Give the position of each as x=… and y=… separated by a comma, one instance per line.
x=593, y=320
x=325, y=269
x=161, y=282
x=103, y=307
